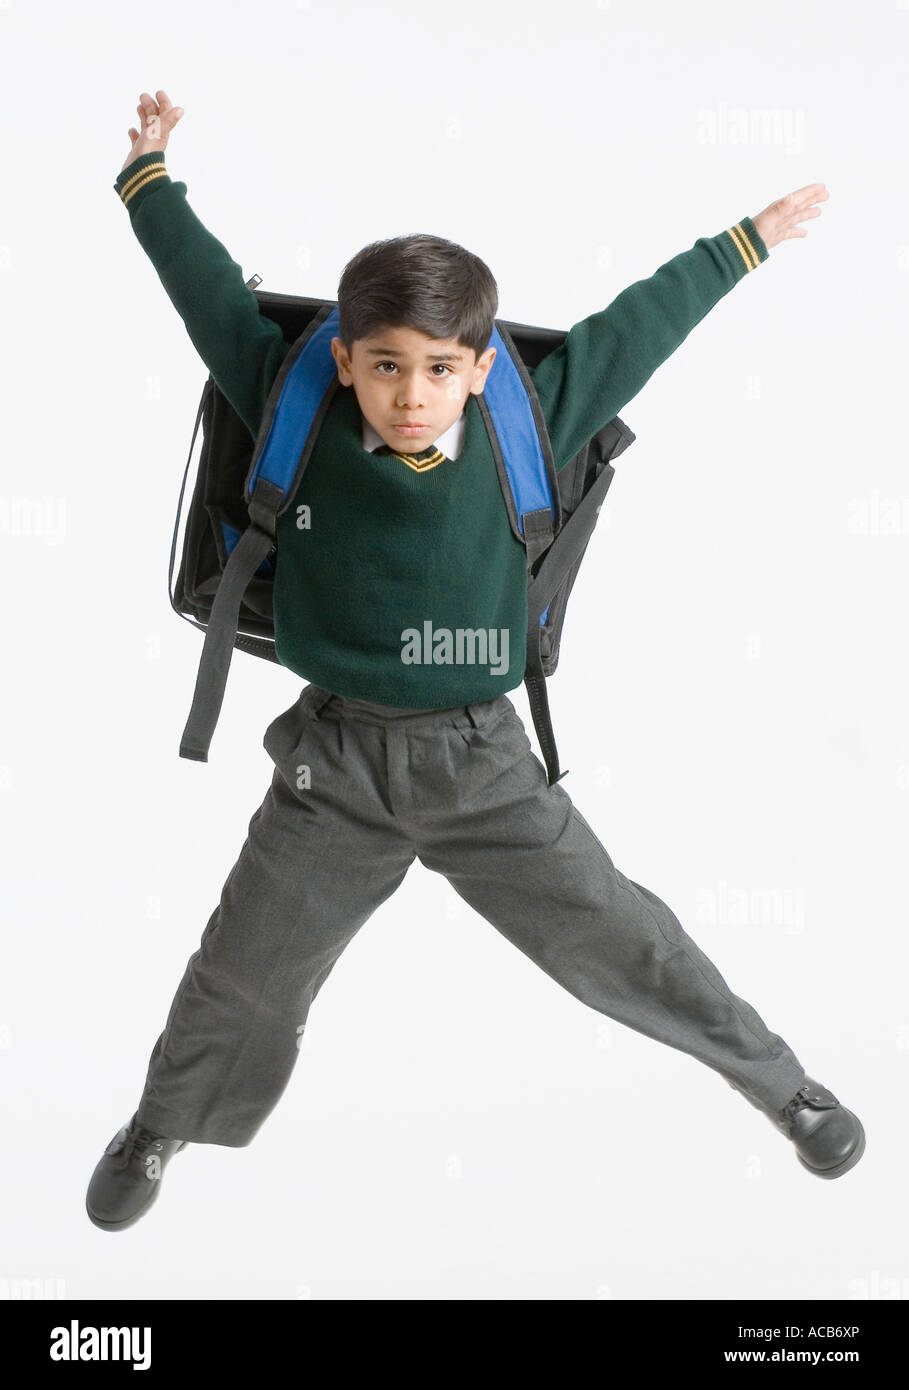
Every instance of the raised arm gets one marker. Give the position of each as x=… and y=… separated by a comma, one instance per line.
x=241, y=348
x=606, y=358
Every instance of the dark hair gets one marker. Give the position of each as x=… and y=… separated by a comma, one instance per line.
x=418, y=281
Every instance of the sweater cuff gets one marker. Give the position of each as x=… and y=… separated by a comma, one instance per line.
x=745, y=247
x=137, y=180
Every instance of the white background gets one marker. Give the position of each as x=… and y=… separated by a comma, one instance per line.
x=731, y=698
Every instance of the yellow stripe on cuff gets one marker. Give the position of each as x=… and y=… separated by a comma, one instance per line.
x=746, y=250
x=140, y=179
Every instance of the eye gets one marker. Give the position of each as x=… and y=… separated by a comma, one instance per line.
x=446, y=369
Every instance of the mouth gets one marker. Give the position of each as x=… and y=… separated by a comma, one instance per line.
x=410, y=431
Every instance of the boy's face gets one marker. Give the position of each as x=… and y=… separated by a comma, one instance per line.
x=401, y=375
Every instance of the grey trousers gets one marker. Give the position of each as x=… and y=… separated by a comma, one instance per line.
x=358, y=792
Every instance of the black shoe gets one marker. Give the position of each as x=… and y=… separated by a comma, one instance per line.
x=128, y=1175
x=828, y=1138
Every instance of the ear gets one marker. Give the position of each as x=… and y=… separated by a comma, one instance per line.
x=481, y=371
x=342, y=358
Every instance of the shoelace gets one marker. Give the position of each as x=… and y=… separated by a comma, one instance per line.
x=819, y=1098
x=789, y=1110
x=135, y=1140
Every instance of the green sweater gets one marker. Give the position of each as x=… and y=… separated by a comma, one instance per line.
x=390, y=551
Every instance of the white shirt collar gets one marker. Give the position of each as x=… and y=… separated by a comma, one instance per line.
x=449, y=443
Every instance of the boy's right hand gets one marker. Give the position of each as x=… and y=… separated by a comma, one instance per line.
x=158, y=119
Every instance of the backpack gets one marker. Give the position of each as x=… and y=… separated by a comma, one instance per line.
x=225, y=580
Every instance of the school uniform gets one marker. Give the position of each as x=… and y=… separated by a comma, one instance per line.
x=381, y=760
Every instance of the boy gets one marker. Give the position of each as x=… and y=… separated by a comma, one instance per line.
x=413, y=759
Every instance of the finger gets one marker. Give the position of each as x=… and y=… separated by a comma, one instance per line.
x=791, y=222
x=164, y=102
x=811, y=193
x=133, y=134
x=151, y=118
x=148, y=107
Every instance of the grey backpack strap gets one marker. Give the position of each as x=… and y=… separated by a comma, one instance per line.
x=542, y=586
x=256, y=646
x=247, y=555
x=538, y=538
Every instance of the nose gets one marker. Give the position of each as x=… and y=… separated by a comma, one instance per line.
x=410, y=391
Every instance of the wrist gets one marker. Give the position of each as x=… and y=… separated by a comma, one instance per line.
x=757, y=226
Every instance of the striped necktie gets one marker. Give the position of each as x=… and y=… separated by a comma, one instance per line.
x=421, y=462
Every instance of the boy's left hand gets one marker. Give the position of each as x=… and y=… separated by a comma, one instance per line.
x=778, y=221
